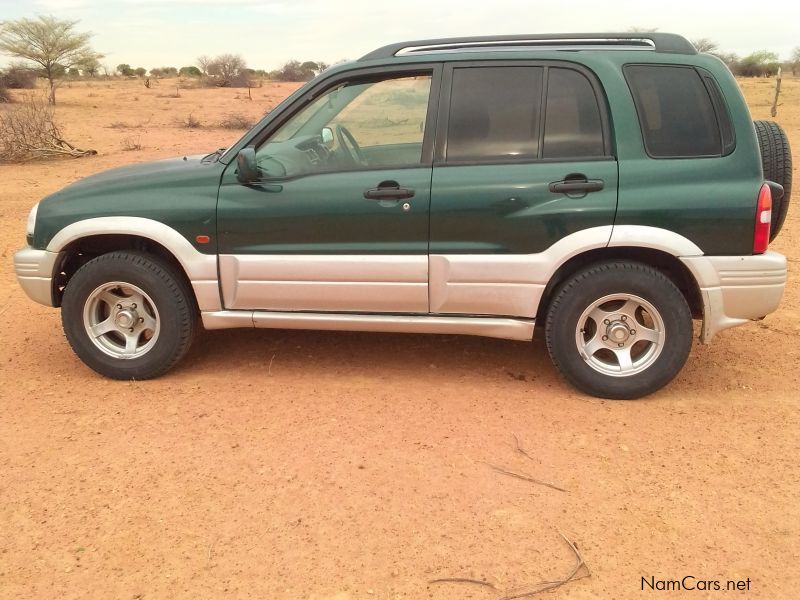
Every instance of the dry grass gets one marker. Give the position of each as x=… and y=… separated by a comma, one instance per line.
x=236, y=121
x=132, y=144
x=190, y=122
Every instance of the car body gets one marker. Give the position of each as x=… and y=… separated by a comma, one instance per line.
x=483, y=176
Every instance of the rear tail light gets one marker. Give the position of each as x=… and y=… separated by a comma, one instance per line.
x=763, y=220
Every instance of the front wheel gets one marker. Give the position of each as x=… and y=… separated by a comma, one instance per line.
x=619, y=330
x=128, y=315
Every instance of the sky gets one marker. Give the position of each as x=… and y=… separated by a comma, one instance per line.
x=267, y=33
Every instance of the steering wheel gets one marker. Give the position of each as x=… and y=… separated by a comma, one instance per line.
x=349, y=143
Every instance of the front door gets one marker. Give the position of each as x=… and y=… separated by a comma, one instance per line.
x=523, y=160
x=338, y=221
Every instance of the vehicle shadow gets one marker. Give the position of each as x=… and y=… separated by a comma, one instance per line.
x=373, y=354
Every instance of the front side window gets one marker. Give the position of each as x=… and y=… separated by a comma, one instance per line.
x=675, y=111
x=354, y=126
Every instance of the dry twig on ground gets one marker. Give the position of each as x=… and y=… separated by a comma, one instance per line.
x=546, y=586
x=520, y=449
x=29, y=132
x=463, y=580
x=536, y=588
x=525, y=477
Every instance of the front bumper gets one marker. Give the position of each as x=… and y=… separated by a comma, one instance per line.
x=34, y=269
x=737, y=289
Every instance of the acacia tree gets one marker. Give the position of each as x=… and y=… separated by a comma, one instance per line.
x=226, y=67
x=705, y=45
x=91, y=67
x=203, y=62
x=49, y=42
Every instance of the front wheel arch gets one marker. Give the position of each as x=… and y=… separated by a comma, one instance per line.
x=78, y=252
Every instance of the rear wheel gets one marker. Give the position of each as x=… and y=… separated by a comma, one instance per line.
x=619, y=330
x=128, y=315
x=776, y=159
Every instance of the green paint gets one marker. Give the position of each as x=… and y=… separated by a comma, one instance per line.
x=485, y=208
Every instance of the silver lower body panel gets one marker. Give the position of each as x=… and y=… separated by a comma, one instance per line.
x=737, y=289
x=495, y=327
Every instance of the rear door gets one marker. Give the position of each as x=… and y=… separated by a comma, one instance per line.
x=523, y=159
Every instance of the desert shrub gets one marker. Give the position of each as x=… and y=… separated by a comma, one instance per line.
x=190, y=122
x=29, y=132
x=5, y=97
x=758, y=64
x=18, y=77
x=131, y=144
x=191, y=71
x=294, y=70
x=235, y=121
x=225, y=70
x=239, y=81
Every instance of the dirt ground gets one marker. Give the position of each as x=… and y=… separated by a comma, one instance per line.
x=304, y=465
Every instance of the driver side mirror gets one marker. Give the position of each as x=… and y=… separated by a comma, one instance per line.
x=327, y=136
x=247, y=171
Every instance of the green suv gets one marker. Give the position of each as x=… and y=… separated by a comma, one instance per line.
x=608, y=187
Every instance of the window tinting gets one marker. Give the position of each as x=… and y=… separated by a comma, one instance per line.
x=675, y=111
x=724, y=119
x=572, y=121
x=494, y=114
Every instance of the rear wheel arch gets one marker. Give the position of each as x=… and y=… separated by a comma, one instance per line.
x=668, y=264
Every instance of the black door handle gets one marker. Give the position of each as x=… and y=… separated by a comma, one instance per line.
x=576, y=186
x=389, y=190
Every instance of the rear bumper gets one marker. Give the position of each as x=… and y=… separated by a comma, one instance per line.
x=34, y=269
x=737, y=289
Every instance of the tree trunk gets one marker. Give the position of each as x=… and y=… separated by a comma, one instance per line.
x=52, y=98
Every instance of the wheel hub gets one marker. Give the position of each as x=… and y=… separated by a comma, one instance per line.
x=618, y=332
x=126, y=318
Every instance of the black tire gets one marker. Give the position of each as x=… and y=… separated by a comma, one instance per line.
x=776, y=159
x=585, y=288
x=169, y=293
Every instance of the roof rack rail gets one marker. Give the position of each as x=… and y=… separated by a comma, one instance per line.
x=660, y=42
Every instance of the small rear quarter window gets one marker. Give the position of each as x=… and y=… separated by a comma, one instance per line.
x=675, y=111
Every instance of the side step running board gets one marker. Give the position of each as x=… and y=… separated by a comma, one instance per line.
x=495, y=327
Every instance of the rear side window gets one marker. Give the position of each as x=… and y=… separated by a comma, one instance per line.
x=723, y=117
x=675, y=111
x=572, y=121
x=494, y=114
